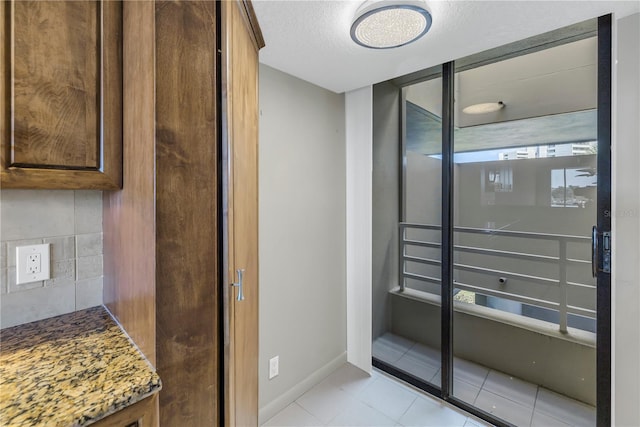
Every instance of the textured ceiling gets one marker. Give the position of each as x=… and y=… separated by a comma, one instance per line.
x=310, y=39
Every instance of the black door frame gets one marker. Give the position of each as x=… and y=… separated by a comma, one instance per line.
x=603, y=304
x=603, y=320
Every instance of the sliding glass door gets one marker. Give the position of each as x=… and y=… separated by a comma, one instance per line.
x=526, y=200
x=502, y=297
x=411, y=349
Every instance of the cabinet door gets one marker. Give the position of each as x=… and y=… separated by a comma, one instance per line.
x=61, y=94
x=241, y=41
x=141, y=414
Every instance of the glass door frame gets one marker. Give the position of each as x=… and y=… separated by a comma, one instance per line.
x=603, y=275
x=600, y=267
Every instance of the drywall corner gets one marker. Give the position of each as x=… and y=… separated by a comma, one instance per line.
x=302, y=231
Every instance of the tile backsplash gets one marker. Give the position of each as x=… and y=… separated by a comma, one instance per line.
x=71, y=221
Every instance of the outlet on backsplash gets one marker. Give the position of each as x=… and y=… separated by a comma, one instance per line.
x=70, y=224
x=32, y=263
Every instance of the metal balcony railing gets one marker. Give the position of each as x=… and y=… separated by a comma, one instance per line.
x=562, y=261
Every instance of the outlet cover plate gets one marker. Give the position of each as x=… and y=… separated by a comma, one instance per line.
x=27, y=261
x=274, y=367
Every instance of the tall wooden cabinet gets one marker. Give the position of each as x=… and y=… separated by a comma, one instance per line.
x=61, y=94
x=186, y=218
x=241, y=41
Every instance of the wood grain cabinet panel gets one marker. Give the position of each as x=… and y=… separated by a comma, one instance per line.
x=242, y=40
x=189, y=200
x=61, y=93
x=141, y=414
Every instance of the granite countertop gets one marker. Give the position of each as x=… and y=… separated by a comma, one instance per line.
x=70, y=370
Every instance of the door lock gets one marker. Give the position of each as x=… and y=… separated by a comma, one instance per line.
x=606, y=252
x=600, y=251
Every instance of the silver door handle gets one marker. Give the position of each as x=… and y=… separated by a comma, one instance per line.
x=238, y=285
x=594, y=251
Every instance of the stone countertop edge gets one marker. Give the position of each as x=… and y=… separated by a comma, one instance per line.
x=70, y=370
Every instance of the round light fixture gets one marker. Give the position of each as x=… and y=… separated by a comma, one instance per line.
x=385, y=25
x=487, y=107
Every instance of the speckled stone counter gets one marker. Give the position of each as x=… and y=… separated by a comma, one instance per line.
x=70, y=370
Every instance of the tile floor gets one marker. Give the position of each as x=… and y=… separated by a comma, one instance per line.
x=512, y=399
x=350, y=397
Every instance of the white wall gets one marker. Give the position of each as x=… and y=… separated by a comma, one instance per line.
x=359, y=134
x=626, y=223
x=302, y=236
x=72, y=222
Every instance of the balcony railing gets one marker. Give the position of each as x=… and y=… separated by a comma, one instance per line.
x=532, y=295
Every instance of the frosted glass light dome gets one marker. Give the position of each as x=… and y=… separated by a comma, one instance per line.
x=484, y=108
x=382, y=25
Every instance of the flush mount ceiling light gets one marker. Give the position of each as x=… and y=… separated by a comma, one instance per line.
x=385, y=25
x=487, y=107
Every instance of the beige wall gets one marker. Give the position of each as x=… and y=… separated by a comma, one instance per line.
x=302, y=235
x=72, y=222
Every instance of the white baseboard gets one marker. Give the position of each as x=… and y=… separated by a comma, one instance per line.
x=288, y=397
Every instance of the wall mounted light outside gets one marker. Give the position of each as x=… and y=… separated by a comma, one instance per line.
x=487, y=107
x=389, y=24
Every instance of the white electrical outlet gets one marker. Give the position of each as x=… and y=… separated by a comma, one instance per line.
x=32, y=263
x=273, y=367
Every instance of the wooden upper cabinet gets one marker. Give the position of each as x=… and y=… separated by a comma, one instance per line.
x=61, y=94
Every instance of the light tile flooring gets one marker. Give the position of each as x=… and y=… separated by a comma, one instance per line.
x=350, y=397
x=512, y=399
